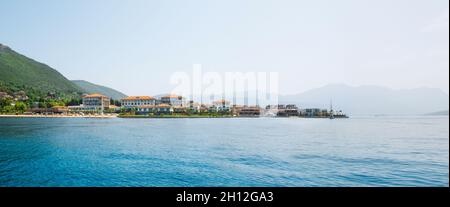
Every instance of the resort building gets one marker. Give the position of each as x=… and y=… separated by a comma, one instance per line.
x=49, y=111
x=60, y=109
x=141, y=110
x=250, y=111
x=193, y=106
x=179, y=109
x=290, y=110
x=156, y=109
x=197, y=107
x=136, y=101
x=235, y=109
x=114, y=108
x=281, y=110
x=95, y=102
x=314, y=112
x=173, y=100
x=221, y=105
x=164, y=108
x=92, y=103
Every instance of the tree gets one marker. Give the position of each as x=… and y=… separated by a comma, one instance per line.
x=53, y=103
x=73, y=102
x=43, y=104
x=8, y=109
x=5, y=102
x=20, y=107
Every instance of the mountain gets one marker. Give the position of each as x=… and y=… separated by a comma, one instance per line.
x=93, y=88
x=36, y=79
x=364, y=100
x=438, y=113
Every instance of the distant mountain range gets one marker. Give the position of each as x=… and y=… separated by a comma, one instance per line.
x=438, y=113
x=369, y=100
x=36, y=79
x=94, y=88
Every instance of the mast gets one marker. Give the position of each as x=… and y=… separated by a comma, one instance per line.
x=331, y=109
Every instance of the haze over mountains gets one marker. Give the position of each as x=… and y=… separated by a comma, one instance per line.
x=365, y=100
x=439, y=113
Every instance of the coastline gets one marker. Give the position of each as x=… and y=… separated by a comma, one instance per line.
x=171, y=117
x=218, y=117
x=144, y=117
x=56, y=116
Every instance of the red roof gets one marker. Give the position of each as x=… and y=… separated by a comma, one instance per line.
x=95, y=95
x=134, y=98
x=172, y=96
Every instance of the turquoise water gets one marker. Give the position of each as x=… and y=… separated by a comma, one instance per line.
x=360, y=151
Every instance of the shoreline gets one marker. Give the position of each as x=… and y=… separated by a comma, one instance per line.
x=148, y=117
x=55, y=116
x=216, y=117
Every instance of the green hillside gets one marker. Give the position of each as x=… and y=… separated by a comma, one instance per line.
x=93, y=88
x=18, y=72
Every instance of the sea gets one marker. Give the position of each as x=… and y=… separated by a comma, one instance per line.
x=219, y=152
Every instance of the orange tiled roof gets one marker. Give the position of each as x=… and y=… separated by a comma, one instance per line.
x=95, y=95
x=172, y=96
x=223, y=101
x=163, y=106
x=133, y=98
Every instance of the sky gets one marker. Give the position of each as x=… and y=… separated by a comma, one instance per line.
x=135, y=46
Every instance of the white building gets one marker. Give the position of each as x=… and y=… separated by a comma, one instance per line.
x=95, y=102
x=161, y=108
x=137, y=101
x=92, y=103
x=221, y=105
x=173, y=100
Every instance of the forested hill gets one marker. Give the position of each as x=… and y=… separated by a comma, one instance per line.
x=20, y=73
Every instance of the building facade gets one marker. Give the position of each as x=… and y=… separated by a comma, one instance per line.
x=250, y=111
x=137, y=101
x=314, y=112
x=155, y=109
x=221, y=105
x=173, y=100
x=95, y=102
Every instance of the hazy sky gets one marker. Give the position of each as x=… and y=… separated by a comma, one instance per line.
x=135, y=45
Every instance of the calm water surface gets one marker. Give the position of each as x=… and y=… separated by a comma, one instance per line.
x=361, y=151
